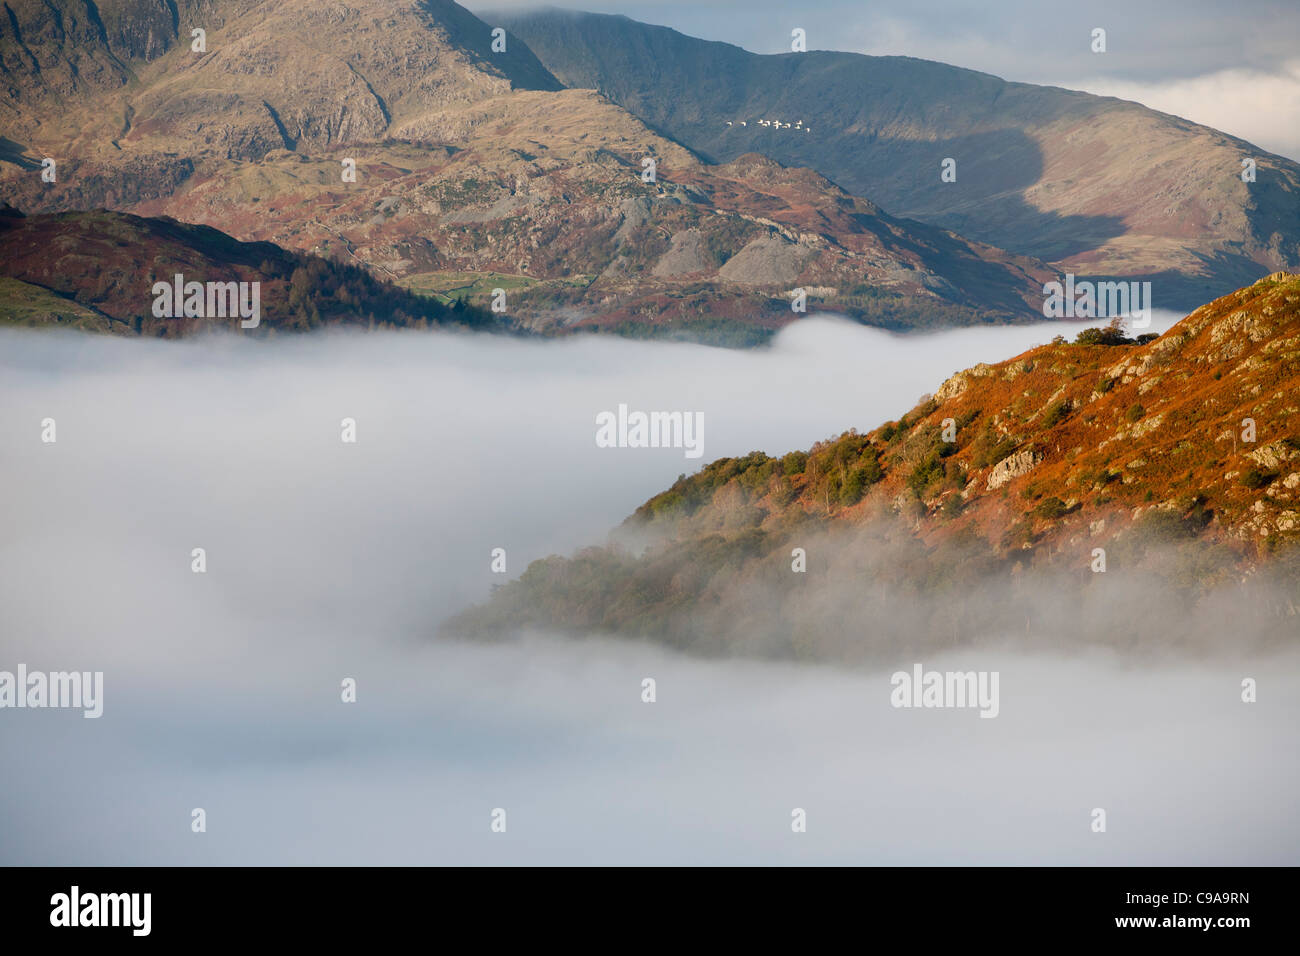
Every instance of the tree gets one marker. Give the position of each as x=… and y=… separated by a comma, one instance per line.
x=1112, y=334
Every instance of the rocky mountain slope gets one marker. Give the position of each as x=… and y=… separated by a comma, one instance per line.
x=474, y=171
x=1094, y=185
x=96, y=271
x=1069, y=483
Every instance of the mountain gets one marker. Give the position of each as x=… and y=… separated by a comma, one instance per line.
x=428, y=54
x=474, y=171
x=96, y=271
x=135, y=111
x=1084, y=485
x=1095, y=185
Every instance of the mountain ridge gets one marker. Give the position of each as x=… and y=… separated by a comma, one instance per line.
x=1093, y=185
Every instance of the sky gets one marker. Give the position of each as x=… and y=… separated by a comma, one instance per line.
x=1235, y=67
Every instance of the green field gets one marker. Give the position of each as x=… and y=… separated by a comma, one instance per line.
x=476, y=287
x=24, y=304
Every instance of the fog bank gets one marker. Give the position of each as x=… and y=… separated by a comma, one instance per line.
x=328, y=560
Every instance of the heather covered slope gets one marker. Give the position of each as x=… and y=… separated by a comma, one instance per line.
x=1086, y=487
x=473, y=172
x=1094, y=185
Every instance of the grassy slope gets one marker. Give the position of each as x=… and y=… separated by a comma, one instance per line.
x=31, y=306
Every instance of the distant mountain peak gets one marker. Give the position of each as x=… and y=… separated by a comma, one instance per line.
x=1089, y=184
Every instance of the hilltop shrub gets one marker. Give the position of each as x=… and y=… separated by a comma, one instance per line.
x=927, y=471
x=1056, y=413
x=1256, y=478
x=1112, y=334
x=1051, y=509
x=989, y=448
x=794, y=463
x=689, y=493
x=852, y=488
x=1164, y=527
x=871, y=471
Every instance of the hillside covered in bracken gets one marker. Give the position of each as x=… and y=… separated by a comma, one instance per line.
x=1093, y=472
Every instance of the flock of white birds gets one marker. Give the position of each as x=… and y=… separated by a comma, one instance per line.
x=775, y=124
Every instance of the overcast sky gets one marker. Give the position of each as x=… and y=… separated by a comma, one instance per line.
x=1234, y=66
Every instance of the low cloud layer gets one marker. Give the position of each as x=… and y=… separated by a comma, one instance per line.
x=329, y=560
x=1260, y=106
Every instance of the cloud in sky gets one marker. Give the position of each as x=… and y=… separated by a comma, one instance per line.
x=1260, y=107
